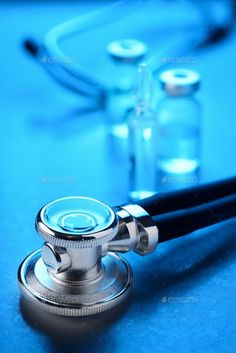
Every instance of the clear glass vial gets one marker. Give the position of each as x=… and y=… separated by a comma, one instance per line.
x=125, y=54
x=179, y=123
x=142, y=127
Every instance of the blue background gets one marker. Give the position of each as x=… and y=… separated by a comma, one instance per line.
x=184, y=294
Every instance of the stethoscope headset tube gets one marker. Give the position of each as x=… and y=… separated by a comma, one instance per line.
x=78, y=272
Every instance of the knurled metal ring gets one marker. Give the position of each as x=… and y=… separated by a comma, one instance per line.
x=72, y=241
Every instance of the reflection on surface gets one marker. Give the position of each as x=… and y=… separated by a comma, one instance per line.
x=64, y=329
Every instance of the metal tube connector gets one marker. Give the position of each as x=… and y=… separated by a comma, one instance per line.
x=137, y=231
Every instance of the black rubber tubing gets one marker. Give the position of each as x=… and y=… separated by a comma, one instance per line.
x=176, y=224
x=189, y=197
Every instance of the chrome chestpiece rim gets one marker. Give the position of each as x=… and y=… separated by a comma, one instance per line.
x=76, y=222
x=82, y=299
x=74, y=274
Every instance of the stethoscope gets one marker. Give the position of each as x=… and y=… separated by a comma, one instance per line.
x=78, y=271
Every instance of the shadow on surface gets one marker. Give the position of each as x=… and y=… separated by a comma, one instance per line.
x=188, y=261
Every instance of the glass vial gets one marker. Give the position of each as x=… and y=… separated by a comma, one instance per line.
x=125, y=54
x=142, y=127
x=179, y=123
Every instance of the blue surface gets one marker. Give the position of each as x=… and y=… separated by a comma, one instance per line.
x=184, y=294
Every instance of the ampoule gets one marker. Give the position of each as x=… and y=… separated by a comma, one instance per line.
x=142, y=129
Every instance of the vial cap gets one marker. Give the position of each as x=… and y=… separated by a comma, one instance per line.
x=127, y=50
x=179, y=82
x=76, y=222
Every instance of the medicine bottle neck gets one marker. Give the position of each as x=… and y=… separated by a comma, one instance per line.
x=144, y=89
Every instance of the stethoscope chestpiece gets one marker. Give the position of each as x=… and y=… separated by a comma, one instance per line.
x=68, y=276
x=77, y=272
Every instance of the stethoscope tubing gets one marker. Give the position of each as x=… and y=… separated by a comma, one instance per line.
x=181, y=212
x=190, y=197
x=77, y=78
x=185, y=221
